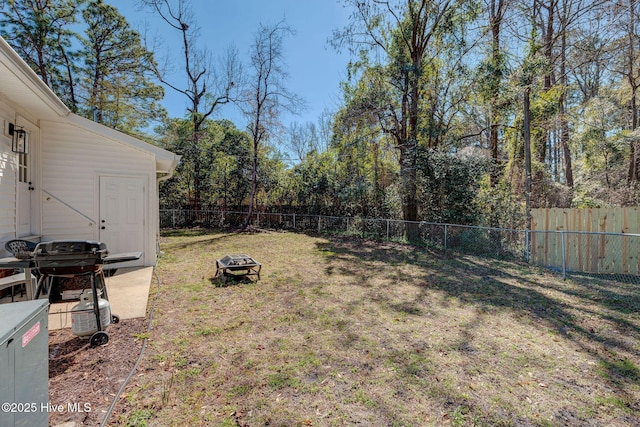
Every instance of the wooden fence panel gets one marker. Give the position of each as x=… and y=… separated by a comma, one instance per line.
x=587, y=252
x=634, y=247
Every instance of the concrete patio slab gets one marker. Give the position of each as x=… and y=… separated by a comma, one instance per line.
x=128, y=292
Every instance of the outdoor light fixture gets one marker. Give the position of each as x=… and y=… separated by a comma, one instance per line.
x=19, y=141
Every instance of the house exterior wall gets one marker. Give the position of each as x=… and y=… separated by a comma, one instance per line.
x=58, y=194
x=73, y=159
x=7, y=177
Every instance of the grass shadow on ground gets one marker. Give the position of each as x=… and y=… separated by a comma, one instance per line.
x=194, y=239
x=344, y=331
x=488, y=282
x=617, y=293
x=591, y=314
x=557, y=301
x=226, y=280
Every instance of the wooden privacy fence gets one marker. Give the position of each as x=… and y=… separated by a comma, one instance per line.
x=603, y=240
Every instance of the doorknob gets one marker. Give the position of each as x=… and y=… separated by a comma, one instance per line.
x=103, y=227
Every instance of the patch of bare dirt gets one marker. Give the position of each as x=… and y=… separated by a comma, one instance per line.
x=84, y=380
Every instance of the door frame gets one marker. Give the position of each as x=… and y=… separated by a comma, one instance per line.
x=33, y=166
x=145, y=211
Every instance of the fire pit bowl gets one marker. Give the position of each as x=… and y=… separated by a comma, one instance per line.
x=238, y=266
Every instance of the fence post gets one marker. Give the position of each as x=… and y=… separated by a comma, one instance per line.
x=564, y=256
x=445, y=237
x=294, y=220
x=347, y=230
x=387, y=230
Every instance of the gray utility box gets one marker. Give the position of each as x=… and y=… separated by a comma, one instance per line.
x=24, y=363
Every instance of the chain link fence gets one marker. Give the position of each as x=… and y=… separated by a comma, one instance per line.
x=611, y=256
x=608, y=255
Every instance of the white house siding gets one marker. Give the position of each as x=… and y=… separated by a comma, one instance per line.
x=61, y=222
x=7, y=180
x=73, y=158
x=7, y=194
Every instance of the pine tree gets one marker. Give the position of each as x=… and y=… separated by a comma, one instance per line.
x=39, y=30
x=118, y=81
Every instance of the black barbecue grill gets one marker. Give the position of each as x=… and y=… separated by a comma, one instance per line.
x=70, y=259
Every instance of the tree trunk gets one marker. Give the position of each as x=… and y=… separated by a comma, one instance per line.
x=527, y=153
x=409, y=154
x=543, y=143
x=633, y=173
x=495, y=21
x=409, y=189
x=254, y=187
x=564, y=122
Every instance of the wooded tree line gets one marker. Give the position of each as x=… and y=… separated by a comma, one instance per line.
x=461, y=111
x=528, y=103
x=104, y=73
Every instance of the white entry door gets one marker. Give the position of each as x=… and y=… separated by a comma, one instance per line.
x=122, y=214
x=24, y=190
x=27, y=207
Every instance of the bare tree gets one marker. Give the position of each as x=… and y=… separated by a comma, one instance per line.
x=207, y=87
x=325, y=130
x=588, y=57
x=266, y=95
x=303, y=139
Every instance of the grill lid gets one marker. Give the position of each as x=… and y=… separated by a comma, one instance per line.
x=71, y=247
x=70, y=250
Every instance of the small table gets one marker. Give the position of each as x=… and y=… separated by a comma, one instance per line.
x=122, y=257
x=231, y=264
x=25, y=263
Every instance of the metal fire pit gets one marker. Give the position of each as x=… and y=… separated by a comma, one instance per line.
x=238, y=266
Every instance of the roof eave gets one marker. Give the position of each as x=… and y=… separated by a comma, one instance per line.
x=166, y=161
x=14, y=64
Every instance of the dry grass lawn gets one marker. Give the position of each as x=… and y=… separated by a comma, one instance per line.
x=345, y=332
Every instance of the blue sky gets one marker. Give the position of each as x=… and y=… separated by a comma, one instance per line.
x=315, y=68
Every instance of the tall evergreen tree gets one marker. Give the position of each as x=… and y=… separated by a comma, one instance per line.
x=39, y=30
x=118, y=82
